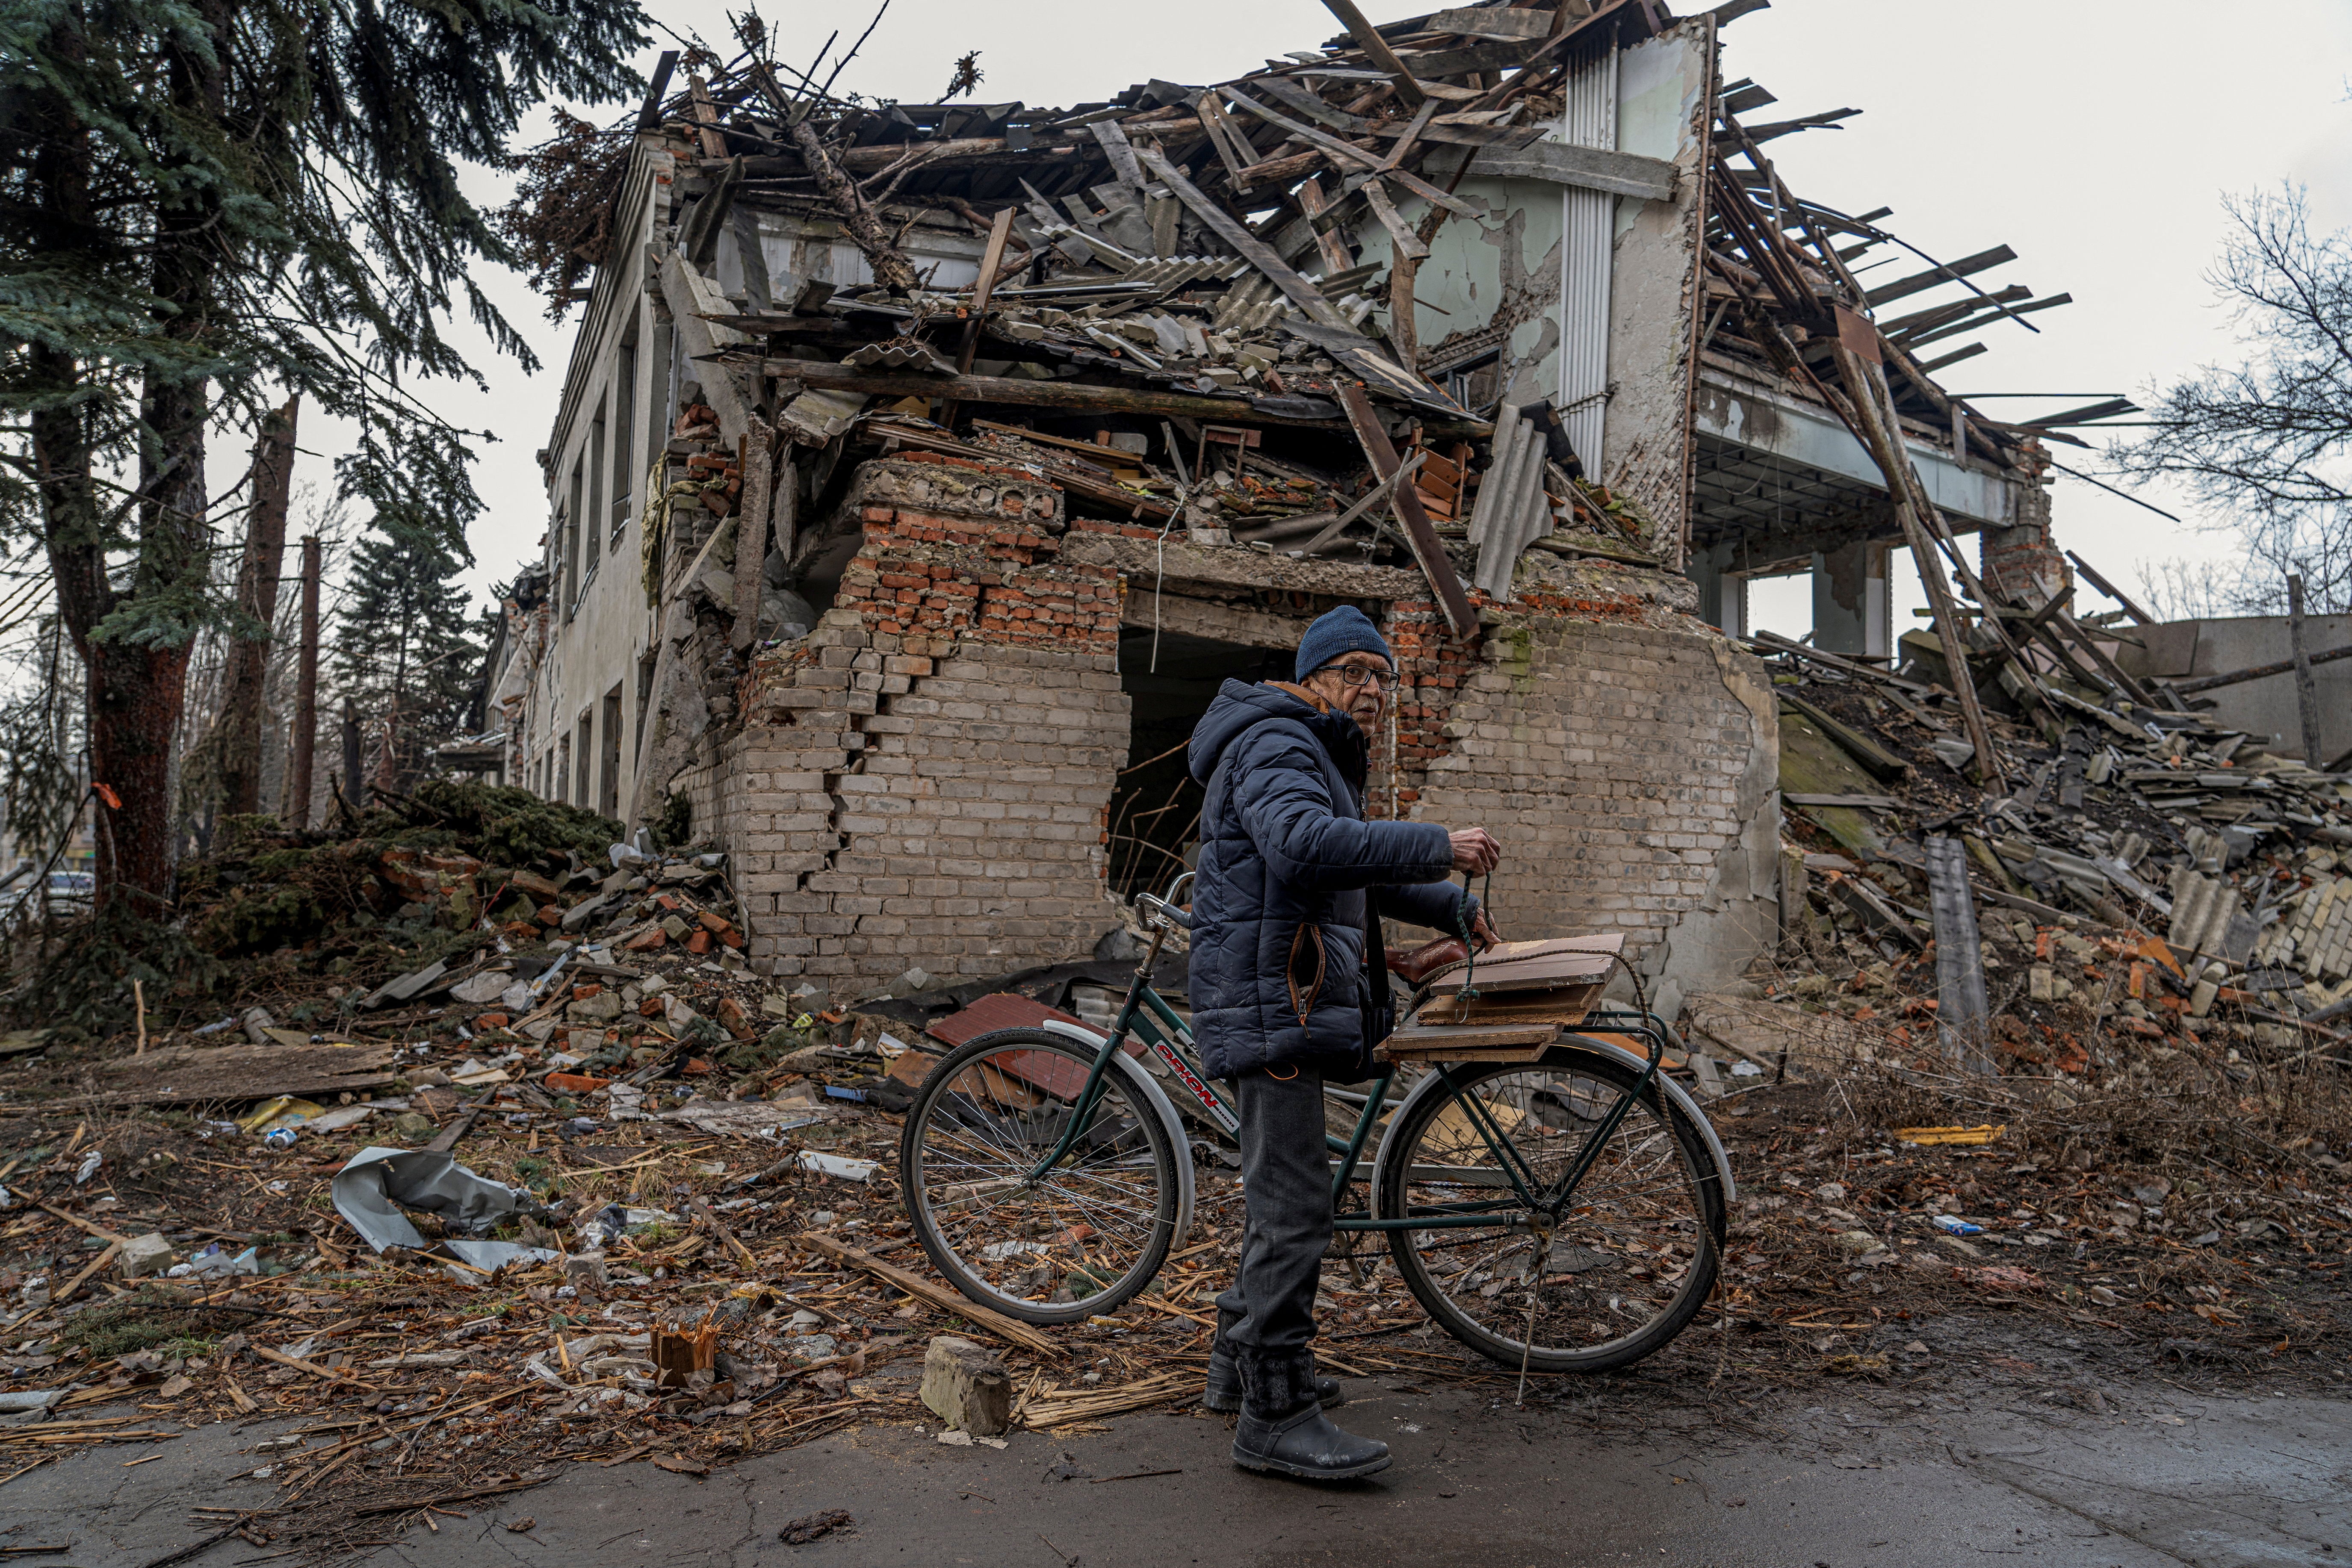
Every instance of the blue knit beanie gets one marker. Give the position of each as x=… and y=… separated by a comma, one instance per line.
x=1342, y=631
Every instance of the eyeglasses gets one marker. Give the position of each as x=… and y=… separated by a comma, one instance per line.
x=1353, y=675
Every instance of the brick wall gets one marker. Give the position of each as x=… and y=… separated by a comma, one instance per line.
x=921, y=781
x=1627, y=756
x=2022, y=562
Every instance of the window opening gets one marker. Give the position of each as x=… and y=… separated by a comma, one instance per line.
x=1155, y=804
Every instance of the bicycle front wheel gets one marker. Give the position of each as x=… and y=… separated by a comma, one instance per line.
x=1629, y=1260
x=1053, y=1248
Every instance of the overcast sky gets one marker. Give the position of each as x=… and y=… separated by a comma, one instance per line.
x=2094, y=139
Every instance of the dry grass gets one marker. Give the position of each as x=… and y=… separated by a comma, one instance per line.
x=2175, y=1108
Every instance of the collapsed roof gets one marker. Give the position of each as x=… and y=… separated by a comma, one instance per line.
x=1174, y=263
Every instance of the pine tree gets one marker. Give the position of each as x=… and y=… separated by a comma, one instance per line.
x=408, y=650
x=203, y=206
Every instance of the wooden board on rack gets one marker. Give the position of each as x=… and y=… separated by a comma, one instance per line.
x=1427, y=1043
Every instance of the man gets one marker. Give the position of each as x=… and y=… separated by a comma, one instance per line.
x=1290, y=986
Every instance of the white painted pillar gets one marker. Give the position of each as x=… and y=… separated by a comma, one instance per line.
x=1588, y=222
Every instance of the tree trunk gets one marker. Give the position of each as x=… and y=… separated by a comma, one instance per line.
x=306, y=690
x=256, y=595
x=136, y=675
x=890, y=265
x=355, y=786
x=132, y=687
x=387, y=772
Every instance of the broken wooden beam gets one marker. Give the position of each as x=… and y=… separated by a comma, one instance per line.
x=2090, y=575
x=1772, y=642
x=1918, y=282
x=2255, y=672
x=1882, y=764
x=833, y=377
x=1368, y=39
x=1247, y=246
x=1871, y=406
x=649, y=117
x=939, y=1296
x=1419, y=532
x=1586, y=168
x=187, y=1074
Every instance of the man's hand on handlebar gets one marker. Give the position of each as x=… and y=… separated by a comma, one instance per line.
x=1475, y=851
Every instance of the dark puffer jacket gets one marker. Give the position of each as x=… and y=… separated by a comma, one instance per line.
x=1289, y=869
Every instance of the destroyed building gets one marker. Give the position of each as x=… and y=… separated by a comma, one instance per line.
x=919, y=470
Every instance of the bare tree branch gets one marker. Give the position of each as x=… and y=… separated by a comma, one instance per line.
x=2266, y=442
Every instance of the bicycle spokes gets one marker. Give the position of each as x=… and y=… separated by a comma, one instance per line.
x=1518, y=1262
x=1031, y=1192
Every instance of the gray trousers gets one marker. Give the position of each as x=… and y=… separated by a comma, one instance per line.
x=1268, y=1315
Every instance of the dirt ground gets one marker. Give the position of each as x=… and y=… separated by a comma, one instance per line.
x=410, y=1384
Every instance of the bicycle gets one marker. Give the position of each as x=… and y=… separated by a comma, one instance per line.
x=1560, y=1214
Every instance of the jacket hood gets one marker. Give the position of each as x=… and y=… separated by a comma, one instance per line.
x=1239, y=708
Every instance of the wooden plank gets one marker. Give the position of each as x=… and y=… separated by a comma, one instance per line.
x=1431, y=194
x=1865, y=407
x=1346, y=154
x=1774, y=643
x=1401, y=233
x=649, y=117
x=313, y=1368
x=991, y=262
x=73, y=1286
x=1327, y=242
x=2255, y=672
x=1098, y=484
x=1597, y=21
x=1882, y=763
x=1036, y=394
x=1251, y=248
x=98, y=1231
x=1586, y=168
x=1315, y=108
x=1919, y=282
x=2110, y=590
x=1412, y=136
x=1376, y=48
x=939, y=1296
x=2132, y=688
x=1442, y=63
x=1418, y=531
x=1121, y=153
x=1492, y=22
x=1237, y=155
x=706, y=117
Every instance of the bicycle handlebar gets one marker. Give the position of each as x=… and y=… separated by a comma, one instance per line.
x=1164, y=907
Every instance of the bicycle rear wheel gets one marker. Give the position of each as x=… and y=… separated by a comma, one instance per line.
x=1631, y=1258
x=1082, y=1239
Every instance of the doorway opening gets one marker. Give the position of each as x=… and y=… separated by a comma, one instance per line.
x=1155, y=805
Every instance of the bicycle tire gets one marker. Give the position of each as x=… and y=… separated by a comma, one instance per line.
x=1594, y=1237
x=968, y=1110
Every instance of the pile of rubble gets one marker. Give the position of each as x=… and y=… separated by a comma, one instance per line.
x=2143, y=875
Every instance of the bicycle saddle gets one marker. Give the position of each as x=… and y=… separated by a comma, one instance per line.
x=1426, y=960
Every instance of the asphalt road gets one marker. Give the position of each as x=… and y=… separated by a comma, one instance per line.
x=2141, y=1474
